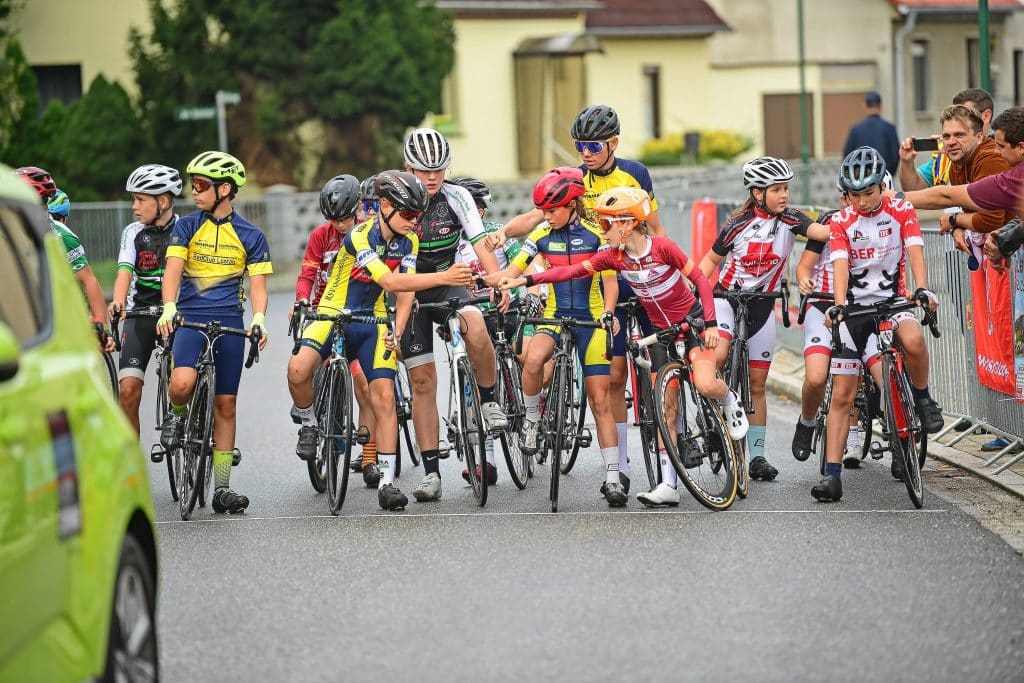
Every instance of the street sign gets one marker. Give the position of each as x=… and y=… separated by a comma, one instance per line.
x=230, y=97
x=195, y=113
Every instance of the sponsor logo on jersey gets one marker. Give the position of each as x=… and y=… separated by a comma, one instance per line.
x=364, y=257
x=409, y=261
x=885, y=232
x=858, y=236
x=759, y=264
x=556, y=246
x=76, y=253
x=577, y=242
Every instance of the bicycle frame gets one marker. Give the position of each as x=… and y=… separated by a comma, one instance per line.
x=739, y=354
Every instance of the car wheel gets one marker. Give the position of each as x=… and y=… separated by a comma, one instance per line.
x=132, y=646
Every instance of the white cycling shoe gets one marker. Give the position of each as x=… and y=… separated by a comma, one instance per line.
x=735, y=417
x=662, y=495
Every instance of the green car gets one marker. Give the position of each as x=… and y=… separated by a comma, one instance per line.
x=78, y=565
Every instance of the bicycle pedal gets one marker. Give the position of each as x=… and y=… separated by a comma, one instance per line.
x=876, y=450
x=156, y=453
x=584, y=438
x=362, y=435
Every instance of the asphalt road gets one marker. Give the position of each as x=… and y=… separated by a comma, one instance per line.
x=779, y=588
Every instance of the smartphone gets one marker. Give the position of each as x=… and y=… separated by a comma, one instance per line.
x=926, y=145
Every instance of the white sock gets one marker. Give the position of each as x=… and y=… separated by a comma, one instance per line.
x=307, y=415
x=621, y=429
x=668, y=472
x=489, y=449
x=611, y=464
x=807, y=423
x=386, y=462
x=853, y=440
x=532, y=405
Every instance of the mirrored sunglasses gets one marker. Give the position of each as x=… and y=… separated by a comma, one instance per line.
x=592, y=146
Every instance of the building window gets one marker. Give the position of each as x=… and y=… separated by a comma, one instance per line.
x=973, y=64
x=652, y=101
x=447, y=120
x=62, y=83
x=919, y=74
x=1018, y=77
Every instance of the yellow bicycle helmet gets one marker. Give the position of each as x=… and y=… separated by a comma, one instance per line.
x=218, y=166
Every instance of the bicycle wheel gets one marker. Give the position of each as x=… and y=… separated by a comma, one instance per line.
x=819, y=439
x=702, y=454
x=556, y=422
x=471, y=437
x=335, y=424
x=111, y=367
x=903, y=428
x=317, y=467
x=194, y=446
x=576, y=416
x=207, y=460
x=648, y=426
x=510, y=397
x=162, y=409
x=739, y=449
x=403, y=407
x=865, y=412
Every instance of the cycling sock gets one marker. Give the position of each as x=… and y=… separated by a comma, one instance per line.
x=486, y=393
x=611, y=464
x=179, y=410
x=668, y=472
x=222, y=468
x=532, y=405
x=920, y=394
x=755, y=441
x=306, y=415
x=621, y=430
x=430, y=463
x=853, y=439
x=369, y=453
x=489, y=450
x=387, y=468
x=805, y=422
x=834, y=469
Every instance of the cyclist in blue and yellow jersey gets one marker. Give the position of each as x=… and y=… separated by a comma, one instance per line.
x=595, y=132
x=42, y=182
x=569, y=237
x=209, y=252
x=376, y=256
x=451, y=215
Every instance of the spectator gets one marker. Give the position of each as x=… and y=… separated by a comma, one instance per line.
x=980, y=100
x=874, y=131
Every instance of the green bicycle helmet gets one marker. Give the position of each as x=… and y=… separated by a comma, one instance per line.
x=218, y=166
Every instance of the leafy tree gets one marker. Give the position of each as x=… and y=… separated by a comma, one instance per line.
x=12, y=68
x=357, y=73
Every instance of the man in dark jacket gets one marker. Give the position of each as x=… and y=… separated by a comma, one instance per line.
x=874, y=131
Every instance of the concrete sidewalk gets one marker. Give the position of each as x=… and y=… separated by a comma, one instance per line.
x=786, y=379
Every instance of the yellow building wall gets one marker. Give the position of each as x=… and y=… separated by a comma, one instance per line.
x=92, y=33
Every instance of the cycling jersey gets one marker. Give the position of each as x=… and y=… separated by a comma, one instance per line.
x=575, y=243
x=821, y=273
x=451, y=215
x=656, y=276
x=324, y=243
x=143, y=253
x=73, y=249
x=217, y=253
x=875, y=246
x=622, y=173
x=467, y=254
x=756, y=246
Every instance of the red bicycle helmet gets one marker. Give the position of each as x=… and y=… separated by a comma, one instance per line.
x=558, y=187
x=40, y=180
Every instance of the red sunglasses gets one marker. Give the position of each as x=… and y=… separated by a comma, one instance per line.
x=202, y=184
x=410, y=215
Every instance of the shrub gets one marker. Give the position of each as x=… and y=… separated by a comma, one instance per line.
x=714, y=144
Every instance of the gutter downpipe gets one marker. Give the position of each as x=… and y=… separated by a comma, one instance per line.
x=909, y=21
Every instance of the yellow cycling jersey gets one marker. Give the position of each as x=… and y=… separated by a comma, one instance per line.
x=623, y=173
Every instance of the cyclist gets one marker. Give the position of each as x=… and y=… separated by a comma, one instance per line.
x=376, y=256
x=755, y=245
x=140, y=271
x=872, y=239
x=209, y=252
x=367, y=207
x=339, y=199
x=656, y=268
x=59, y=206
x=42, y=182
x=450, y=215
x=814, y=274
x=569, y=237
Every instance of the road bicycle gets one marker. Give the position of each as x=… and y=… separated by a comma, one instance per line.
x=692, y=426
x=641, y=396
x=902, y=428
x=557, y=431
x=465, y=422
x=737, y=364
x=194, y=461
x=108, y=358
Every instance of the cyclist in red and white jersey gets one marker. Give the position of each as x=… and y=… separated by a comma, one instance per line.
x=872, y=240
x=755, y=246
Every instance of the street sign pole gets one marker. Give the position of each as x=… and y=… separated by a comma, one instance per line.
x=224, y=98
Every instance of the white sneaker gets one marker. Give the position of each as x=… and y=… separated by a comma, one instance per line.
x=429, y=488
x=661, y=496
x=735, y=417
x=529, y=436
x=853, y=453
x=494, y=417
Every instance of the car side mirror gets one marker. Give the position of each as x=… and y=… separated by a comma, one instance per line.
x=10, y=353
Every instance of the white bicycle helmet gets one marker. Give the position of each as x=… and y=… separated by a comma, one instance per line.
x=154, y=179
x=764, y=172
x=427, y=150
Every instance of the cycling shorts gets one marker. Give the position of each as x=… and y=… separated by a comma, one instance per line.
x=228, y=351
x=138, y=338
x=364, y=348
x=860, y=343
x=422, y=351
x=817, y=337
x=619, y=342
x=760, y=329
x=589, y=342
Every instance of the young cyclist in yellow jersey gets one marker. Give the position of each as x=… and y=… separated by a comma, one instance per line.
x=210, y=250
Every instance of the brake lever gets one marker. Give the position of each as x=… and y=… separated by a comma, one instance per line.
x=785, y=303
x=254, y=347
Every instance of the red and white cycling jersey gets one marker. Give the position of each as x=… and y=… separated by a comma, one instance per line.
x=875, y=246
x=321, y=251
x=821, y=273
x=756, y=246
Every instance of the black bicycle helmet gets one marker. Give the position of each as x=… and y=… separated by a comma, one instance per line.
x=402, y=189
x=862, y=168
x=366, y=191
x=478, y=188
x=339, y=197
x=596, y=122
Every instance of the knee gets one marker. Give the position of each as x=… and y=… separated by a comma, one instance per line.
x=224, y=406
x=130, y=394
x=423, y=384
x=299, y=373
x=706, y=385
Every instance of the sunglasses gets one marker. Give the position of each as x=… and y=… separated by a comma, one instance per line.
x=370, y=205
x=410, y=215
x=201, y=185
x=592, y=146
x=608, y=222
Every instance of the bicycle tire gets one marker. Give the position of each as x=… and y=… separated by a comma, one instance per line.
x=648, y=426
x=510, y=398
x=403, y=406
x=472, y=436
x=820, y=436
x=577, y=403
x=555, y=437
x=903, y=428
x=714, y=482
x=316, y=468
x=111, y=367
x=336, y=426
x=739, y=449
x=198, y=424
x=204, y=492
x=161, y=416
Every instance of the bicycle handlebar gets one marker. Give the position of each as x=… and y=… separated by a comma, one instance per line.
x=663, y=336
x=745, y=297
x=115, y=322
x=566, y=321
x=452, y=305
x=883, y=309
x=806, y=298
x=299, y=311
x=214, y=329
